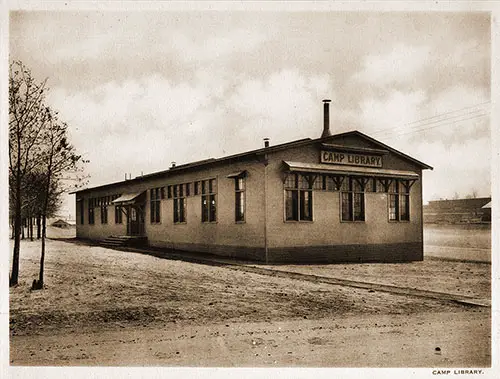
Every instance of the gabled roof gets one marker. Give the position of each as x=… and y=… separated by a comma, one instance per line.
x=255, y=154
x=383, y=146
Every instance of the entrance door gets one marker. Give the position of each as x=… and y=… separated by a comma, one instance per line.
x=135, y=222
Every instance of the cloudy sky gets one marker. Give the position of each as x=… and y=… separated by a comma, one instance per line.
x=142, y=89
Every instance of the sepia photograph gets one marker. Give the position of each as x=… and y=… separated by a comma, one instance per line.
x=263, y=186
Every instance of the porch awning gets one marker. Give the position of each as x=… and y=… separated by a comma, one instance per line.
x=127, y=199
x=348, y=170
x=239, y=174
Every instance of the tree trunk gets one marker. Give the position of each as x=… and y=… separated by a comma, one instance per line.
x=38, y=226
x=31, y=228
x=23, y=222
x=42, y=258
x=39, y=284
x=14, y=276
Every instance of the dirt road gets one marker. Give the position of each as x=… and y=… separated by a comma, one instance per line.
x=381, y=341
x=107, y=307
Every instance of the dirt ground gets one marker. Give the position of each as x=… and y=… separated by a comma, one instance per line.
x=107, y=307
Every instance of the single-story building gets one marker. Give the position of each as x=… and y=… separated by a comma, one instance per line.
x=60, y=223
x=338, y=198
x=473, y=210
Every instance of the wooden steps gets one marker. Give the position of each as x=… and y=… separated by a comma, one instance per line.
x=124, y=241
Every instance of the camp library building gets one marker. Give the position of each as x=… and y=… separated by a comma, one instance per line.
x=337, y=198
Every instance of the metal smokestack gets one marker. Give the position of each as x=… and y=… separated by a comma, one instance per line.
x=326, y=119
x=266, y=142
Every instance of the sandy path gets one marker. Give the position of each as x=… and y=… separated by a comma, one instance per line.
x=381, y=341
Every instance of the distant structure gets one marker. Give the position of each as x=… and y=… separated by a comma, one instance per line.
x=62, y=224
x=458, y=211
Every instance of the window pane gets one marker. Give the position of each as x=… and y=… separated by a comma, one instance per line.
x=306, y=205
x=196, y=188
x=213, y=208
x=204, y=208
x=239, y=206
x=359, y=207
x=345, y=184
x=180, y=213
x=239, y=184
x=290, y=181
x=188, y=189
x=393, y=187
x=291, y=205
x=356, y=187
x=346, y=206
x=404, y=207
x=304, y=182
x=393, y=207
x=204, y=187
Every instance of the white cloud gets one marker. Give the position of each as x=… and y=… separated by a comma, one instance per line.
x=390, y=114
x=400, y=65
x=285, y=106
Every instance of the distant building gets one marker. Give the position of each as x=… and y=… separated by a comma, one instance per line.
x=338, y=198
x=62, y=224
x=458, y=211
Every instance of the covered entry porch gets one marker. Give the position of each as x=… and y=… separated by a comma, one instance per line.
x=132, y=207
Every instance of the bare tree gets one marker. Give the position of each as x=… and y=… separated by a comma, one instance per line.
x=27, y=119
x=60, y=164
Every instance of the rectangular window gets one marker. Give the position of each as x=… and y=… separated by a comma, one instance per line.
x=155, y=205
x=179, y=204
x=353, y=201
x=91, y=211
x=399, y=201
x=104, y=213
x=208, y=201
x=298, y=197
x=169, y=192
x=393, y=207
x=196, y=188
x=239, y=199
x=188, y=189
x=118, y=214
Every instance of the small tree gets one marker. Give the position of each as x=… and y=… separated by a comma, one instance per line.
x=60, y=164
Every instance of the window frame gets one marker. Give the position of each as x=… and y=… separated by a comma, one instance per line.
x=104, y=213
x=155, y=205
x=298, y=193
x=401, y=190
x=240, y=199
x=353, y=193
x=179, y=203
x=91, y=211
x=209, y=193
x=118, y=214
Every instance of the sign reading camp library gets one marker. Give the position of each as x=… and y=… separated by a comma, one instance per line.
x=333, y=157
